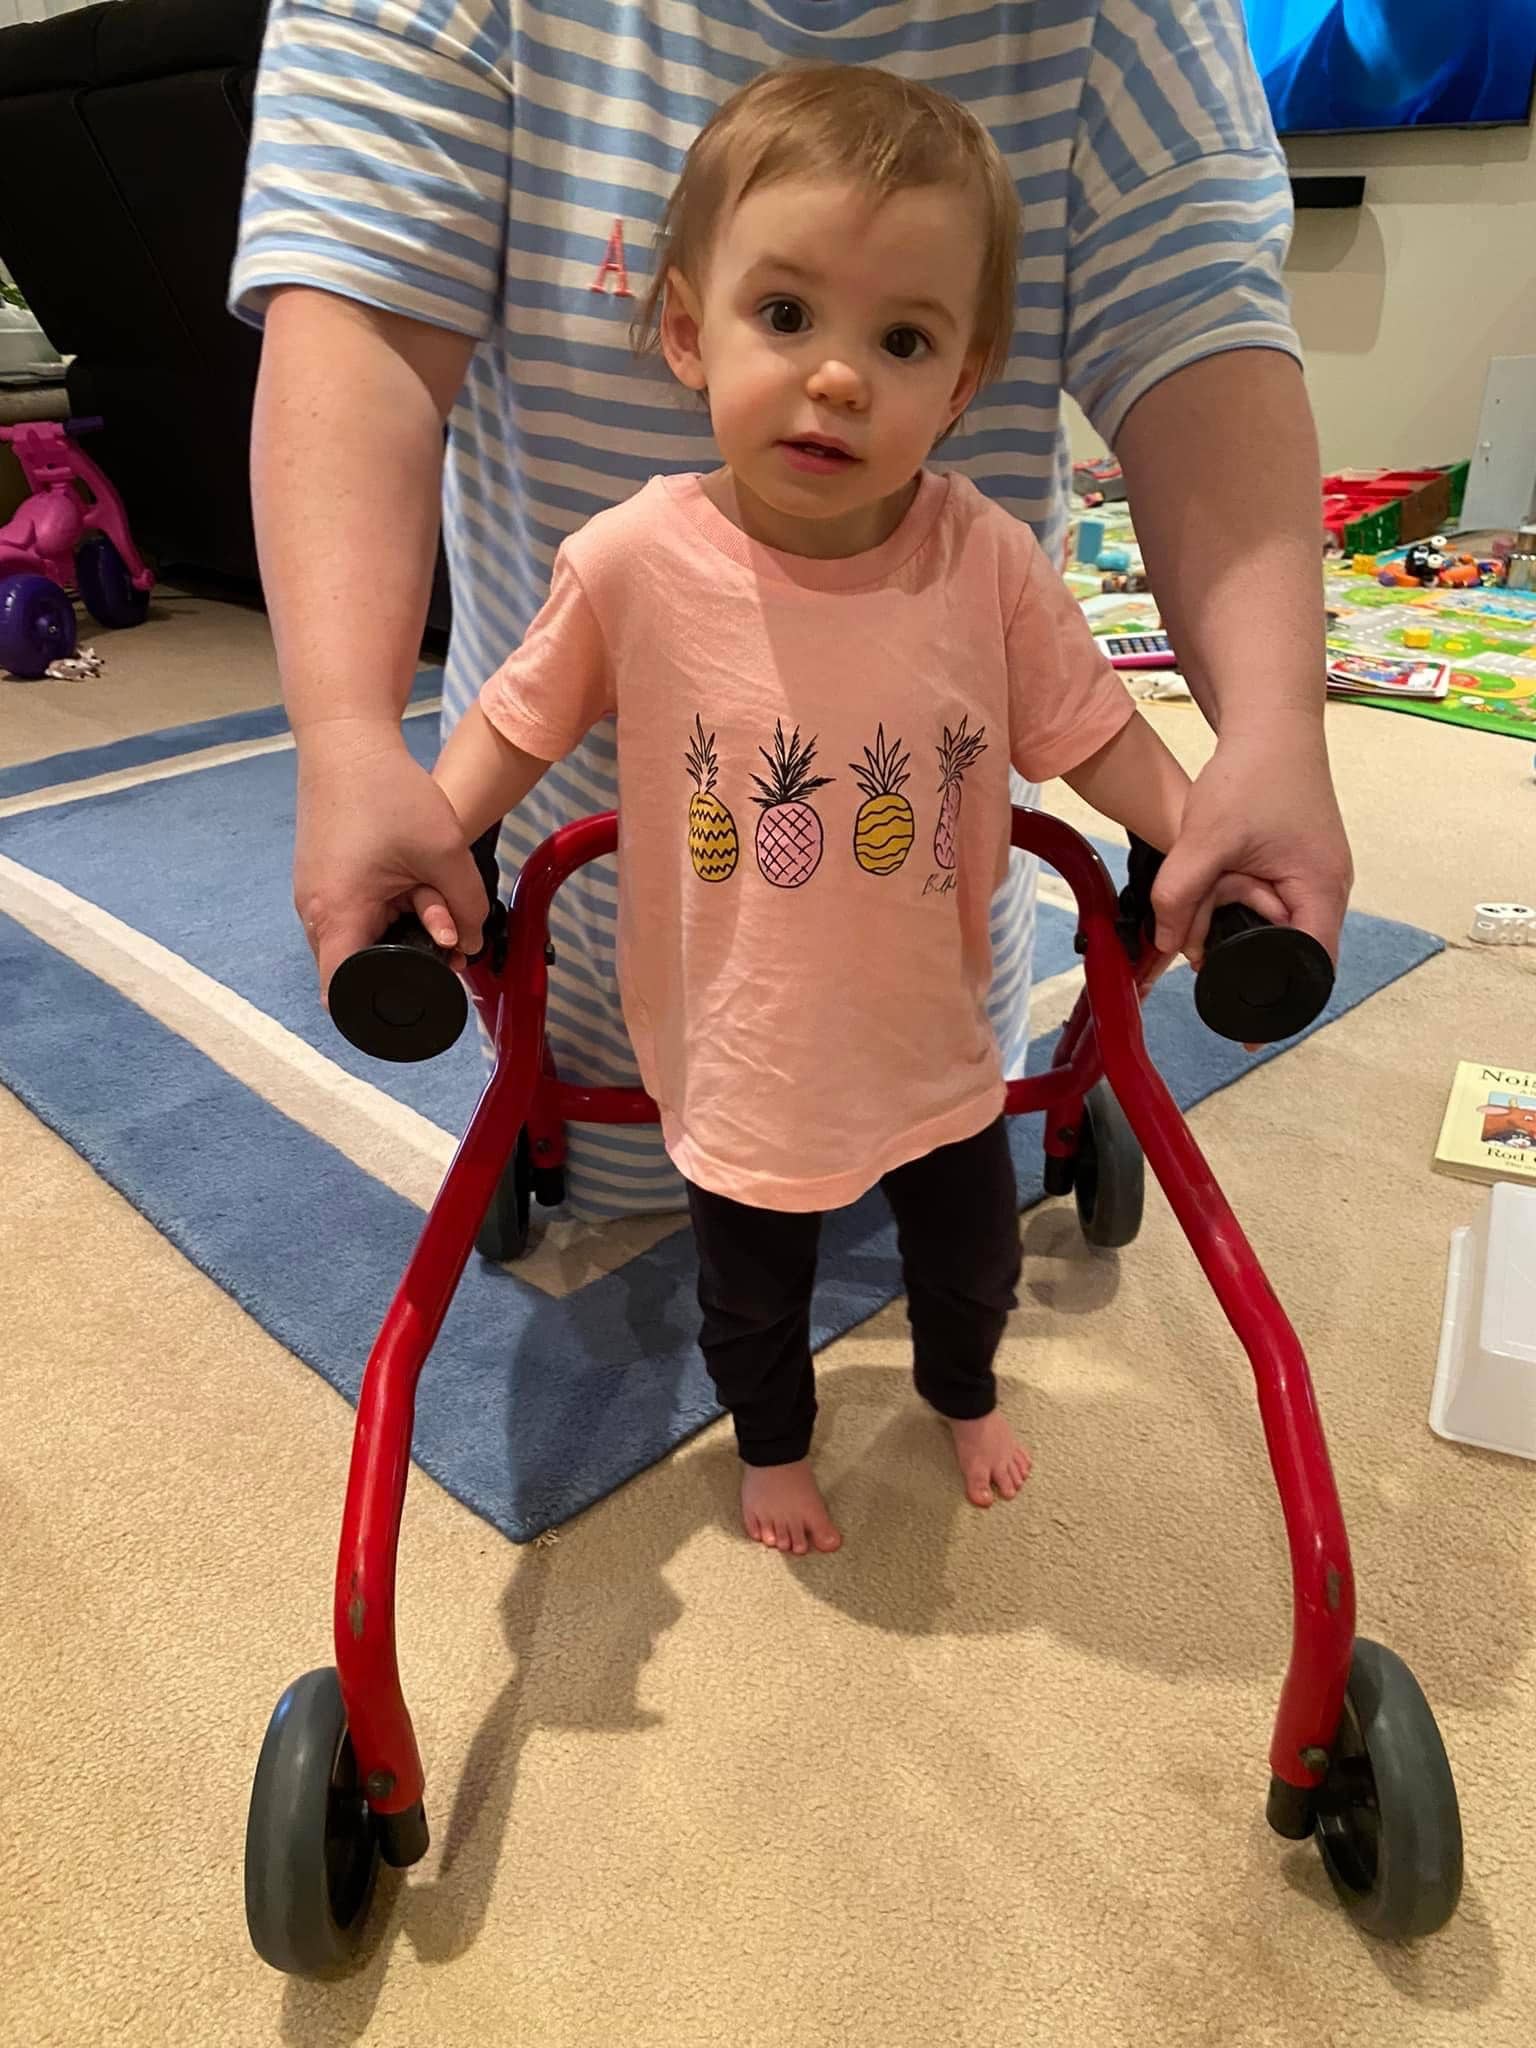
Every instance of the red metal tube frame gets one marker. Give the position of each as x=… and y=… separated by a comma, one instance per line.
x=1103, y=1037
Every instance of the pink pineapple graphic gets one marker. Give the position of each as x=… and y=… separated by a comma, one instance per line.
x=957, y=752
x=789, y=834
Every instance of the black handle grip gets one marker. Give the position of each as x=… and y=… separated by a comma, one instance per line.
x=1260, y=982
x=399, y=999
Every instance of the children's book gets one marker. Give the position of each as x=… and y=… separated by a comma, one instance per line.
x=1489, y=1132
x=1364, y=675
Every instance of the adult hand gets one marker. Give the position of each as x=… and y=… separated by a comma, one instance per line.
x=1263, y=807
x=376, y=836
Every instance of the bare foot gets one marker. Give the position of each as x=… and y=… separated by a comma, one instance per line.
x=782, y=1507
x=989, y=1455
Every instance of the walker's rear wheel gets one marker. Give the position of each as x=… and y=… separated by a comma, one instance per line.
x=503, y=1236
x=1109, y=1174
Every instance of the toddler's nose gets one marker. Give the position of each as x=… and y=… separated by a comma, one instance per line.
x=836, y=383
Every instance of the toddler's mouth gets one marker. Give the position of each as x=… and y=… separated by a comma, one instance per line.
x=824, y=455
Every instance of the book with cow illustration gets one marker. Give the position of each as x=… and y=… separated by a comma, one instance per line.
x=1489, y=1132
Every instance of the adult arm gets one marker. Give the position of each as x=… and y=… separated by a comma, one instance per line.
x=349, y=420
x=1181, y=351
x=1221, y=460
x=370, y=249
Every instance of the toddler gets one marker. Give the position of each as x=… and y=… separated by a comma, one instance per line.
x=823, y=657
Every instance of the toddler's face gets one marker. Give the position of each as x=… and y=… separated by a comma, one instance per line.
x=828, y=319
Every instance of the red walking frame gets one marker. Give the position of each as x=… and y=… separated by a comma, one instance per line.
x=1103, y=1038
x=1355, y=1759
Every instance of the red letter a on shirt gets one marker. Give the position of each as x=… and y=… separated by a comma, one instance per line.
x=614, y=261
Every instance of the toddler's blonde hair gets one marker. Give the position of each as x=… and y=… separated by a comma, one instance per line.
x=842, y=123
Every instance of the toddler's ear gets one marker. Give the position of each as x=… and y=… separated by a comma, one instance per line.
x=966, y=388
x=680, y=320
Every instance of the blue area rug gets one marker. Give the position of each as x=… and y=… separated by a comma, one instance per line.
x=530, y=1408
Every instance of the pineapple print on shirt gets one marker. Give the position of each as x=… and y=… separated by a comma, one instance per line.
x=885, y=828
x=789, y=834
x=712, y=841
x=957, y=751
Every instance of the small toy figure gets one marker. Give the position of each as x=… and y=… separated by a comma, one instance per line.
x=1100, y=481
x=1430, y=564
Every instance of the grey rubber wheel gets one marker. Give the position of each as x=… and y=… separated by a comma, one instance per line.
x=503, y=1236
x=311, y=1851
x=1388, y=1820
x=1109, y=1174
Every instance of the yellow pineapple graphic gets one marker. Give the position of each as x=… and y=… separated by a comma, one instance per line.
x=884, y=829
x=958, y=752
x=712, y=842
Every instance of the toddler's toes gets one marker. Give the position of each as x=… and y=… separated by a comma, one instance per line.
x=1012, y=1474
x=993, y=1463
x=782, y=1508
x=978, y=1485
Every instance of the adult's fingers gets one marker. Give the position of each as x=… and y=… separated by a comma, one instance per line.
x=1317, y=904
x=457, y=879
x=335, y=934
x=438, y=923
x=1185, y=885
x=435, y=915
x=1244, y=889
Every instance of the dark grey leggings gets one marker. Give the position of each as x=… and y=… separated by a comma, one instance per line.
x=957, y=1222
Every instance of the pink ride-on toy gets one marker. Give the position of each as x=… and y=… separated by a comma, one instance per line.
x=63, y=538
x=1355, y=1758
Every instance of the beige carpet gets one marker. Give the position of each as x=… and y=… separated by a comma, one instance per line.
x=980, y=1779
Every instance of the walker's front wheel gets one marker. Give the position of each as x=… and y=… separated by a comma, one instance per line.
x=1388, y=1820
x=311, y=1845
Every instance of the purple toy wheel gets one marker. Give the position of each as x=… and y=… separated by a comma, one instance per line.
x=107, y=587
x=37, y=625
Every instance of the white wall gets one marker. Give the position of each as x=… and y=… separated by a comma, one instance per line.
x=12, y=11
x=1401, y=304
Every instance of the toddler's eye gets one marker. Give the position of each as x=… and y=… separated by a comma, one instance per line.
x=906, y=343
x=785, y=316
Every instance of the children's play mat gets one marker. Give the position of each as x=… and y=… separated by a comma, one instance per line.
x=1487, y=636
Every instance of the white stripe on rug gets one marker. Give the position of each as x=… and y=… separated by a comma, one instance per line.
x=165, y=771
x=387, y=1139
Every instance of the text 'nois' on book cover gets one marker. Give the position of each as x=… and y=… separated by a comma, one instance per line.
x=1489, y=1132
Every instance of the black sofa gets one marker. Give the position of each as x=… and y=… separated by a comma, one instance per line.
x=123, y=137
x=123, y=131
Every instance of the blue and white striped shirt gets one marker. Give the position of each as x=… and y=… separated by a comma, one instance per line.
x=467, y=162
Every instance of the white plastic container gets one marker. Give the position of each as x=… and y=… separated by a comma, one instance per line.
x=1485, y=1382
x=24, y=348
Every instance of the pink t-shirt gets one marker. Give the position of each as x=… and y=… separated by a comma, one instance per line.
x=814, y=814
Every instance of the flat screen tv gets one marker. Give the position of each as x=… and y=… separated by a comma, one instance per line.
x=1332, y=66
